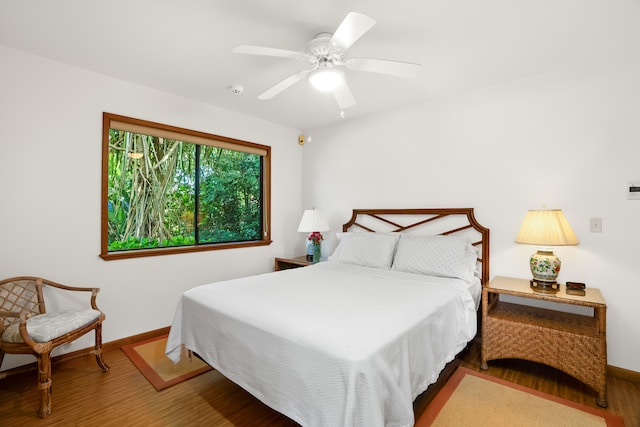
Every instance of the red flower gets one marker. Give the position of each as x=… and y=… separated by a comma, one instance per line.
x=315, y=237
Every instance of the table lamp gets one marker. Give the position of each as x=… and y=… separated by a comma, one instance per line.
x=545, y=228
x=313, y=222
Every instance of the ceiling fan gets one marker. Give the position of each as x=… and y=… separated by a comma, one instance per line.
x=326, y=56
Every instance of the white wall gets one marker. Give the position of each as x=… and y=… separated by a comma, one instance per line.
x=50, y=168
x=569, y=140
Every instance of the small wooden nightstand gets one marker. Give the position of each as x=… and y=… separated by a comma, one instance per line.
x=573, y=343
x=286, y=263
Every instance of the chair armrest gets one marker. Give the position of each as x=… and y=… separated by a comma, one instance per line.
x=23, y=331
x=69, y=288
x=94, y=291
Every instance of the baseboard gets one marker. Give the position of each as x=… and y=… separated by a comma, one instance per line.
x=624, y=374
x=114, y=345
x=109, y=346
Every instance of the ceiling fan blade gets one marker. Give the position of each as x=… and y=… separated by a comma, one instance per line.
x=350, y=30
x=383, y=66
x=289, y=81
x=343, y=96
x=268, y=51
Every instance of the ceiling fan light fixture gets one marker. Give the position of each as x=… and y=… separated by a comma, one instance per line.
x=326, y=79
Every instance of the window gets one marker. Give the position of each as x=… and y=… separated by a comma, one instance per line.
x=170, y=190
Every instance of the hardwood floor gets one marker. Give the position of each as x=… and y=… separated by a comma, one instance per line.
x=84, y=396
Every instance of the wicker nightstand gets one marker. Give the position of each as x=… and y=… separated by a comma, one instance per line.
x=573, y=343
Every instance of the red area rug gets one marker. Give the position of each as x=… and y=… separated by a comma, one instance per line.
x=470, y=398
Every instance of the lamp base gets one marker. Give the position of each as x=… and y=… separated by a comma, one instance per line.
x=544, y=266
x=544, y=287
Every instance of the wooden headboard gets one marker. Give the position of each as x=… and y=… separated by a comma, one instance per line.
x=445, y=221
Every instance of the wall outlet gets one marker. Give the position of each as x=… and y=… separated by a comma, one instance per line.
x=595, y=225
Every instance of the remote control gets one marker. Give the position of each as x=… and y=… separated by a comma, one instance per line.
x=576, y=285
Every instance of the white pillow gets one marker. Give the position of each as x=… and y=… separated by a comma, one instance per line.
x=367, y=249
x=445, y=256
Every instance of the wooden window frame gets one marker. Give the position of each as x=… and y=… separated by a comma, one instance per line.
x=166, y=131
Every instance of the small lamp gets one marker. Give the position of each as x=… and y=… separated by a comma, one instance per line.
x=545, y=228
x=313, y=222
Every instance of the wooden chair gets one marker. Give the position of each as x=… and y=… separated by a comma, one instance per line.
x=27, y=328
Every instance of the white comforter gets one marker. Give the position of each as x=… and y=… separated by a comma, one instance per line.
x=330, y=344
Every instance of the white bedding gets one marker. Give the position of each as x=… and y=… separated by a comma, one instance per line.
x=330, y=344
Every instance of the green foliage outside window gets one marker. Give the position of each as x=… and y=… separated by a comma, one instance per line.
x=169, y=193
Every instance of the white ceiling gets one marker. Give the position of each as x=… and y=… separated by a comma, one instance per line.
x=184, y=47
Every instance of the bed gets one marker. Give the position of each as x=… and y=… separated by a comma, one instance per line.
x=354, y=340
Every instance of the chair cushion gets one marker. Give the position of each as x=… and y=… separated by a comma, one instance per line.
x=47, y=326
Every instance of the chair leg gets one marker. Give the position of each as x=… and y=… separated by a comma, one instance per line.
x=98, y=349
x=44, y=384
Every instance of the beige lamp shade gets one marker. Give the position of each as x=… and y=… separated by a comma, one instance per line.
x=313, y=220
x=546, y=228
